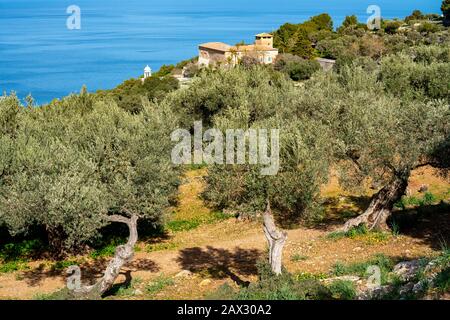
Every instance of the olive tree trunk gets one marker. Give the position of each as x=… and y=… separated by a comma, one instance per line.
x=381, y=205
x=276, y=239
x=123, y=255
x=55, y=238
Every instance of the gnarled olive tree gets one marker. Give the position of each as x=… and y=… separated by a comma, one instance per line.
x=75, y=165
x=377, y=136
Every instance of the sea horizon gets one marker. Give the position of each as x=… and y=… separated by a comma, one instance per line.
x=40, y=56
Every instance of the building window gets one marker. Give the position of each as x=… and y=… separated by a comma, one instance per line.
x=269, y=59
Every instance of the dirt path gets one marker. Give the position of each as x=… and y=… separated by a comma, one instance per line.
x=224, y=251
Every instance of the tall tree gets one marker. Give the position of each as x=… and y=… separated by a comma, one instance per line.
x=77, y=161
x=380, y=137
x=350, y=21
x=445, y=7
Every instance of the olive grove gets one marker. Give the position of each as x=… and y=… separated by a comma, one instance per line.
x=76, y=165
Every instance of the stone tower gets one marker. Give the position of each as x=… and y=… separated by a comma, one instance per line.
x=264, y=39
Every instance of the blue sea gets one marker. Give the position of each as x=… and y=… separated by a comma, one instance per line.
x=117, y=39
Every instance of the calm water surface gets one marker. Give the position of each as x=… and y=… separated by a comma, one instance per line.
x=39, y=55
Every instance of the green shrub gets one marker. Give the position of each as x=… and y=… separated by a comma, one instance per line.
x=272, y=287
x=14, y=256
x=427, y=77
x=352, y=233
x=295, y=67
x=442, y=280
x=310, y=276
x=428, y=199
x=282, y=287
x=343, y=290
x=360, y=268
x=224, y=292
x=395, y=228
x=411, y=201
x=107, y=249
x=302, y=71
x=358, y=230
x=21, y=250
x=78, y=160
x=64, y=264
x=392, y=27
x=12, y=266
x=428, y=27
x=125, y=290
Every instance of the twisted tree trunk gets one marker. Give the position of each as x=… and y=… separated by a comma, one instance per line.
x=123, y=255
x=276, y=239
x=381, y=205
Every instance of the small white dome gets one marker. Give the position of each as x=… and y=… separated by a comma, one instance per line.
x=147, y=69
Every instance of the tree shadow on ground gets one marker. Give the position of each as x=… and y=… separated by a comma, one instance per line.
x=90, y=271
x=116, y=287
x=220, y=263
x=430, y=223
x=340, y=209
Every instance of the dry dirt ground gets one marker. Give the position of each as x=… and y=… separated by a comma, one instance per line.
x=227, y=250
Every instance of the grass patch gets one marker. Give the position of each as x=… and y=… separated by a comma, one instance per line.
x=395, y=229
x=161, y=246
x=411, y=201
x=15, y=256
x=62, y=265
x=12, y=266
x=352, y=233
x=107, y=249
x=298, y=257
x=310, y=276
x=182, y=225
x=385, y=264
x=442, y=280
x=187, y=225
x=159, y=284
x=127, y=289
x=272, y=287
x=361, y=233
x=23, y=250
x=43, y=296
x=343, y=290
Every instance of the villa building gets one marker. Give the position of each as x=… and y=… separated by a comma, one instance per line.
x=213, y=53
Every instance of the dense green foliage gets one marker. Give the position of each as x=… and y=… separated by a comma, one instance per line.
x=384, y=111
x=272, y=287
x=259, y=98
x=446, y=11
x=295, y=67
x=66, y=166
x=294, y=38
x=357, y=116
x=131, y=94
x=419, y=71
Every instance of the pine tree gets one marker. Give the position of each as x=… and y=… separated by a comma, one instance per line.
x=446, y=11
